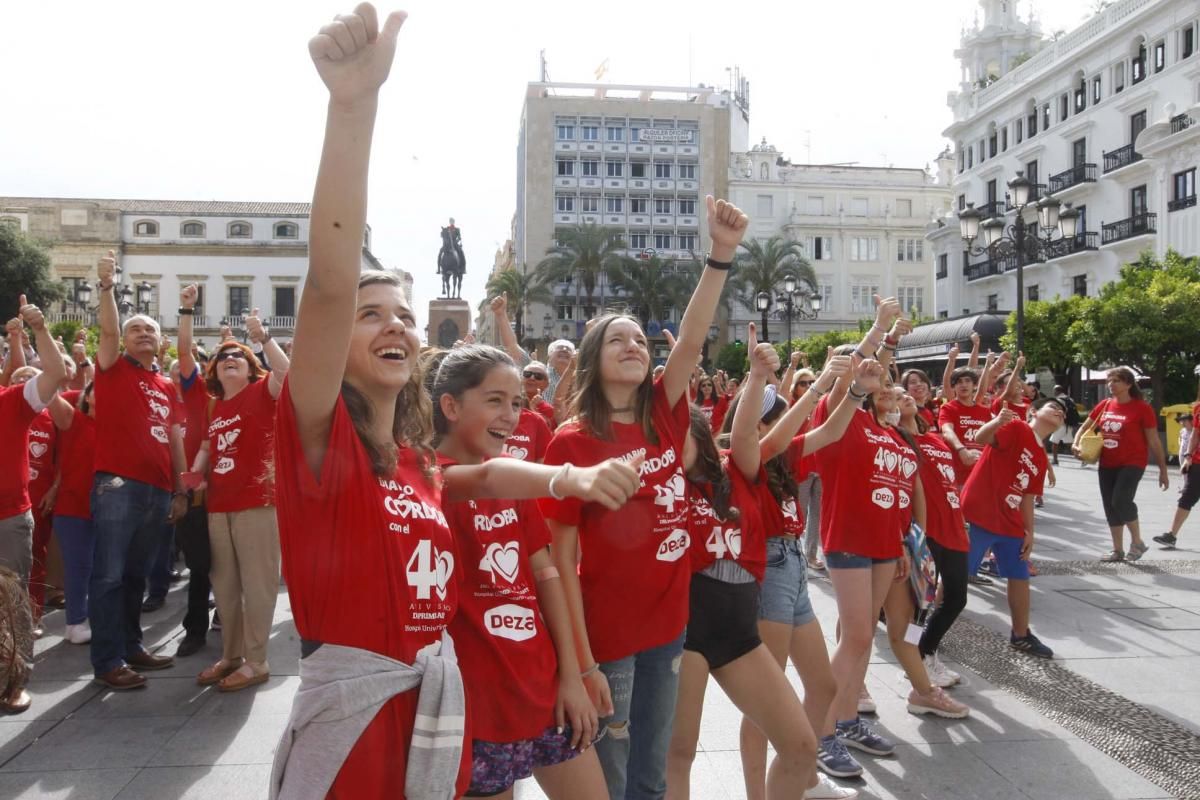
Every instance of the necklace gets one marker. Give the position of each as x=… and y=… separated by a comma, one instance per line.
x=624, y=410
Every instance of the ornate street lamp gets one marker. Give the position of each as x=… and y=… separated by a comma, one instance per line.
x=762, y=301
x=1024, y=239
x=144, y=293
x=797, y=302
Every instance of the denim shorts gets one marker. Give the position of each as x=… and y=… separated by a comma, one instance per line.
x=1006, y=549
x=844, y=560
x=784, y=594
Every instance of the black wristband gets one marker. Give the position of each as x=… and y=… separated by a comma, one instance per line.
x=724, y=266
x=85, y=363
x=186, y=312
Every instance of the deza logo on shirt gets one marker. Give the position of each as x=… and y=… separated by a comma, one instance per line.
x=513, y=622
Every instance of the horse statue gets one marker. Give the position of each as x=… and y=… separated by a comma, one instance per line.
x=451, y=262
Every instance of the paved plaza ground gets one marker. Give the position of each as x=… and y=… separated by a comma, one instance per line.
x=1115, y=715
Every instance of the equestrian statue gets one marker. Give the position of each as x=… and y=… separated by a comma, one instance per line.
x=451, y=263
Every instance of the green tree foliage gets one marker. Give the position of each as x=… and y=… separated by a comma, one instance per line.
x=1047, y=333
x=24, y=269
x=652, y=285
x=1146, y=320
x=816, y=345
x=523, y=288
x=762, y=266
x=583, y=252
x=732, y=359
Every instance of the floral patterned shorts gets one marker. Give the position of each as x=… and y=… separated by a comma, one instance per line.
x=495, y=766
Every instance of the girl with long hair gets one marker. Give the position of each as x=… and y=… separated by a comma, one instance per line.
x=73, y=507
x=917, y=383
x=636, y=559
x=370, y=561
x=713, y=404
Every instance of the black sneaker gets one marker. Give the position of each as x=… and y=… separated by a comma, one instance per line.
x=988, y=567
x=979, y=580
x=1166, y=540
x=1030, y=644
x=153, y=604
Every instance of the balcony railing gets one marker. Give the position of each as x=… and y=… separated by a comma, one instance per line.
x=1137, y=225
x=992, y=208
x=1121, y=157
x=85, y=318
x=1087, y=240
x=995, y=264
x=279, y=322
x=1181, y=122
x=1181, y=203
x=1080, y=173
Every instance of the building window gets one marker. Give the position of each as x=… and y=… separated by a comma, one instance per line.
x=1185, y=189
x=637, y=241
x=566, y=168
x=145, y=228
x=862, y=297
x=825, y=290
x=687, y=241
x=565, y=311
x=1032, y=294
x=287, y=230
x=1188, y=43
x=590, y=169
x=615, y=169
x=589, y=204
x=912, y=298
x=992, y=145
x=819, y=248
x=687, y=208
x=1095, y=90
x=637, y=205
x=285, y=301
x=662, y=241
x=591, y=133
x=662, y=170
x=662, y=206
x=1046, y=117
x=687, y=172
x=615, y=134
x=765, y=205
x=239, y=230
x=566, y=133
x=1031, y=174
x=1079, y=285
x=1064, y=107
x=962, y=202
x=864, y=248
x=239, y=301
x=1078, y=152
x=961, y=158
x=1137, y=124
x=192, y=229
x=910, y=250
x=1137, y=68
x=1004, y=138
x=816, y=205
x=1137, y=201
x=637, y=169
x=943, y=265
x=970, y=157
x=991, y=191
x=614, y=205
x=1118, y=74
x=565, y=203
x=1020, y=130
x=858, y=206
x=1160, y=57
x=993, y=302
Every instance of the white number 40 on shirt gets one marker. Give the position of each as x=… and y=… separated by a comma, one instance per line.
x=428, y=569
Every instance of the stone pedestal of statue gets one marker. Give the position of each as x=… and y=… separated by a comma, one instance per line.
x=449, y=320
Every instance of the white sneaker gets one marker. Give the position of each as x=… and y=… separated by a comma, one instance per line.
x=828, y=790
x=938, y=703
x=79, y=634
x=866, y=703
x=939, y=673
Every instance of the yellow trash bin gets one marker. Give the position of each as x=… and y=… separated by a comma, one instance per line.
x=1170, y=412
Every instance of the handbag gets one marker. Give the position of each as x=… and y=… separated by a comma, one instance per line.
x=922, y=577
x=1091, y=444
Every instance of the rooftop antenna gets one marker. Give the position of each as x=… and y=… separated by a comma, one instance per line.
x=808, y=144
x=542, y=62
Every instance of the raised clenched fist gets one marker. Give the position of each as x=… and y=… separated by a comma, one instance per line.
x=726, y=223
x=106, y=270
x=353, y=56
x=764, y=360
x=255, y=329
x=32, y=315
x=868, y=374
x=13, y=327
x=887, y=310
x=500, y=303
x=188, y=296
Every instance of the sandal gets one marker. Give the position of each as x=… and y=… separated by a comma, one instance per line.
x=238, y=680
x=218, y=672
x=1136, y=551
x=1113, y=556
x=17, y=701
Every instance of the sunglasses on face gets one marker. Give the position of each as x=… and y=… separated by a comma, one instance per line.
x=541, y=376
x=804, y=383
x=225, y=355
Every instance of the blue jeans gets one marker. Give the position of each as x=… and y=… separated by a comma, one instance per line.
x=127, y=517
x=158, y=578
x=633, y=754
x=77, y=541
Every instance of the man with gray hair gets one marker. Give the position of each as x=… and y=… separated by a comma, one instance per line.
x=137, y=488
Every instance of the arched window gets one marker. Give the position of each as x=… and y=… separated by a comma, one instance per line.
x=192, y=229
x=16, y=223
x=145, y=227
x=240, y=230
x=287, y=230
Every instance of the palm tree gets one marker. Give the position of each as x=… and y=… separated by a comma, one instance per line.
x=690, y=270
x=651, y=284
x=523, y=288
x=764, y=265
x=584, y=252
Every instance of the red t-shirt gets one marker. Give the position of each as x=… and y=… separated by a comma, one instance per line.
x=967, y=420
x=929, y=416
x=135, y=409
x=370, y=563
x=530, y=438
x=16, y=415
x=195, y=406
x=1012, y=466
x=714, y=411
x=906, y=475
x=505, y=651
x=239, y=447
x=943, y=512
x=547, y=412
x=784, y=518
x=743, y=541
x=863, y=475
x=633, y=559
x=1195, y=427
x=1121, y=425
x=43, y=441
x=77, y=464
x=1020, y=409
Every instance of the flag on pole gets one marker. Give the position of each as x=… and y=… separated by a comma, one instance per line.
x=602, y=69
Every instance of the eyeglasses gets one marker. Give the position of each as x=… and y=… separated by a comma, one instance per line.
x=805, y=383
x=541, y=376
x=225, y=355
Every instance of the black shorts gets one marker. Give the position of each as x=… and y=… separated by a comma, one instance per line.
x=723, y=621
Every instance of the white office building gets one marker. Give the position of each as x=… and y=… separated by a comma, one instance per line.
x=862, y=229
x=241, y=256
x=1103, y=117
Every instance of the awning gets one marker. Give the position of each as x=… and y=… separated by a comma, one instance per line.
x=931, y=341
